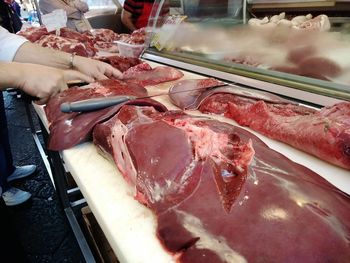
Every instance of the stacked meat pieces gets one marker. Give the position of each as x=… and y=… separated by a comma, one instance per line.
x=84, y=44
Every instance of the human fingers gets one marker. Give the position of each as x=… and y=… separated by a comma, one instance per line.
x=112, y=72
x=45, y=96
x=76, y=75
x=100, y=76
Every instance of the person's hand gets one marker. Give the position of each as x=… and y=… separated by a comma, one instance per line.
x=43, y=82
x=95, y=69
x=81, y=6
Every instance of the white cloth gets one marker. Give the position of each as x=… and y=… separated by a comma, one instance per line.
x=9, y=44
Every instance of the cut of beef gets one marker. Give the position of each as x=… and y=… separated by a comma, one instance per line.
x=71, y=34
x=120, y=62
x=67, y=45
x=68, y=129
x=33, y=33
x=325, y=133
x=106, y=46
x=103, y=35
x=144, y=75
x=220, y=194
x=199, y=89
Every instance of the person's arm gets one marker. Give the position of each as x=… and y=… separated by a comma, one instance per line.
x=47, y=6
x=33, y=53
x=36, y=80
x=126, y=18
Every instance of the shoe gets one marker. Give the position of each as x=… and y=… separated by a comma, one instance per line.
x=21, y=172
x=15, y=196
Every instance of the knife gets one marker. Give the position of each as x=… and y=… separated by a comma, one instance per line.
x=104, y=102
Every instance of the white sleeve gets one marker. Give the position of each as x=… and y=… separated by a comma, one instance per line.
x=9, y=44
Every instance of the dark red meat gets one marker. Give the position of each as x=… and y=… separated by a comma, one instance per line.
x=221, y=195
x=200, y=89
x=68, y=129
x=325, y=133
x=67, y=45
x=71, y=34
x=103, y=35
x=106, y=46
x=120, y=62
x=144, y=75
x=33, y=33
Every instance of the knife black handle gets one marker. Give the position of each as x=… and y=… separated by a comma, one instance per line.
x=93, y=104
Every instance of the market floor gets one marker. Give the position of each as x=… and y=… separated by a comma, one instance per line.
x=38, y=230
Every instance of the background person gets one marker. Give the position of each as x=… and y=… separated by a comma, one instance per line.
x=135, y=13
x=9, y=18
x=75, y=10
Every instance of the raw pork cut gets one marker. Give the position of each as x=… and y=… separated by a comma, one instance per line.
x=221, y=195
x=144, y=75
x=68, y=129
x=324, y=133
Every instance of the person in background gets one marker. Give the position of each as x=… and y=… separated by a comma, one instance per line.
x=16, y=7
x=135, y=13
x=9, y=19
x=75, y=10
x=41, y=73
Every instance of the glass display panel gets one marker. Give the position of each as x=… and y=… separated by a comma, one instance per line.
x=299, y=49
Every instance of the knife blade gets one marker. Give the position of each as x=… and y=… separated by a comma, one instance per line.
x=104, y=102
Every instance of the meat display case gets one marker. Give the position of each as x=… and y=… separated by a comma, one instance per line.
x=127, y=224
x=217, y=39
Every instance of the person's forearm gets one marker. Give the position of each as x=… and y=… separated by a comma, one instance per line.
x=126, y=18
x=8, y=75
x=32, y=53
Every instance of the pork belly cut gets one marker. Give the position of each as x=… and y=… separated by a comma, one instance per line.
x=220, y=194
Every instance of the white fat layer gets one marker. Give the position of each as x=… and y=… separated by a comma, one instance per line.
x=217, y=245
x=121, y=155
x=205, y=141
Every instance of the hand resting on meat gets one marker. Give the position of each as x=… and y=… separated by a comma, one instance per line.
x=32, y=53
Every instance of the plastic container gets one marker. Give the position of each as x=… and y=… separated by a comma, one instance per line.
x=130, y=50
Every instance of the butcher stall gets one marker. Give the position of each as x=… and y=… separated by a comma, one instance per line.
x=227, y=140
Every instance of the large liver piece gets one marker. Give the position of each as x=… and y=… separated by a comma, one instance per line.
x=221, y=195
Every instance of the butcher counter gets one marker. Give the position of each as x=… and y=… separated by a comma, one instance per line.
x=129, y=226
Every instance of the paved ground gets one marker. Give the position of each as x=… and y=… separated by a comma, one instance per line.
x=39, y=227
